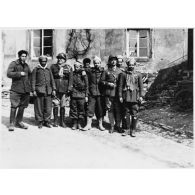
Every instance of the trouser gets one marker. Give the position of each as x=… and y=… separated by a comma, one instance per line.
x=131, y=114
x=77, y=108
x=95, y=106
x=43, y=107
x=113, y=107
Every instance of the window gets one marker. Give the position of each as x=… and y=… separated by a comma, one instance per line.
x=42, y=43
x=138, y=43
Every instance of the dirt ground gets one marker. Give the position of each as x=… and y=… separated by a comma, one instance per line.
x=65, y=148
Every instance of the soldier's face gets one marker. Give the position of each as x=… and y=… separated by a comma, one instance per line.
x=61, y=61
x=120, y=62
x=86, y=65
x=113, y=62
x=97, y=64
x=131, y=66
x=23, y=58
x=77, y=67
x=43, y=62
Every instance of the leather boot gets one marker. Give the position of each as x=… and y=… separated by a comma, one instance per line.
x=128, y=125
x=74, y=127
x=12, y=119
x=55, y=114
x=62, y=117
x=101, y=124
x=88, y=126
x=19, y=119
x=111, y=119
x=80, y=121
x=133, y=126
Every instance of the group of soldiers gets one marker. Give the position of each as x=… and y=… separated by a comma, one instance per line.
x=93, y=90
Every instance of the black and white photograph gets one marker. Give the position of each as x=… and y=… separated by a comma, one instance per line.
x=92, y=98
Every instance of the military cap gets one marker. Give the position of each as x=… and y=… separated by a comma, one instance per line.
x=41, y=58
x=112, y=57
x=61, y=55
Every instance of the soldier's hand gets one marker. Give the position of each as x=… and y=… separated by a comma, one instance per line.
x=35, y=93
x=23, y=74
x=121, y=99
x=86, y=99
x=54, y=93
x=141, y=99
x=111, y=84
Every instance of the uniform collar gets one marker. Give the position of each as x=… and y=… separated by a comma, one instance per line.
x=39, y=66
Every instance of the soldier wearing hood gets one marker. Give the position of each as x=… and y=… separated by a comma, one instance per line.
x=130, y=94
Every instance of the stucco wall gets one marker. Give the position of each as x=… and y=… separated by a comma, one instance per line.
x=167, y=45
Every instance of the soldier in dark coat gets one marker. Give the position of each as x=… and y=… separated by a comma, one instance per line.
x=130, y=94
x=120, y=106
x=62, y=73
x=109, y=80
x=20, y=74
x=95, y=104
x=43, y=86
x=79, y=95
x=87, y=68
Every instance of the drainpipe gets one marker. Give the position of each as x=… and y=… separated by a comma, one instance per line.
x=190, y=49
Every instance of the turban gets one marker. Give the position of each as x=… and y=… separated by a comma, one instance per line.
x=96, y=59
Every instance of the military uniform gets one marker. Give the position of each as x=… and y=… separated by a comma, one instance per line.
x=20, y=91
x=63, y=79
x=43, y=84
x=78, y=93
x=111, y=94
x=130, y=89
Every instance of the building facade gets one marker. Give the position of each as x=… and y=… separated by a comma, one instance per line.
x=154, y=49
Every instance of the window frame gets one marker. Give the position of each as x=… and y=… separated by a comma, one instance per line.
x=42, y=43
x=139, y=58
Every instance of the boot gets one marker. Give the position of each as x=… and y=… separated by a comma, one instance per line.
x=19, y=119
x=74, y=127
x=111, y=130
x=55, y=114
x=40, y=124
x=62, y=117
x=80, y=124
x=12, y=119
x=111, y=119
x=47, y=124
x=128, y=125
x=133, y=126
x=101, y=124
x=126, y=132
x=88, y=126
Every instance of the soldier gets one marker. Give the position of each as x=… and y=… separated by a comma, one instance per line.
x=43, y=86
x=130, y=94
x=109, y=80
x=95, y=104
x=87, y=68
x=79, y=95
x=86, y=64
x=120, y=106
x=20, y=74
x=62, y=74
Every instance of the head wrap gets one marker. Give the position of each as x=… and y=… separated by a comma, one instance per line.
x=131, y=61
x=96, y=59
x=61, y=55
